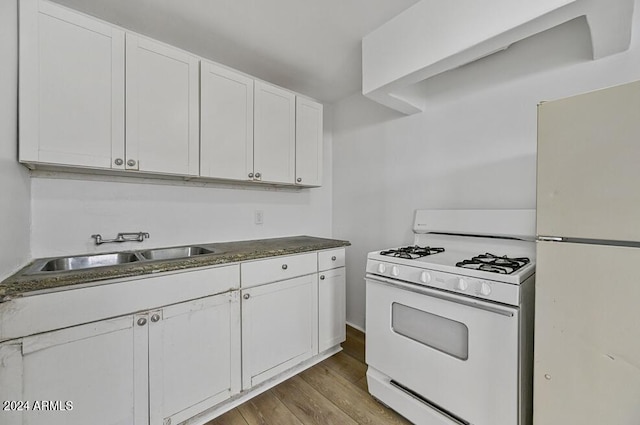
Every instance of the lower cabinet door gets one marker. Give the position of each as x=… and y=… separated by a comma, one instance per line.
x=279, y=327
x=194, y=357
x=331, y=308
x=75, y=376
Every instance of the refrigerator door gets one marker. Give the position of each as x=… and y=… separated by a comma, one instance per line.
x=588, y=173
x=587, y=335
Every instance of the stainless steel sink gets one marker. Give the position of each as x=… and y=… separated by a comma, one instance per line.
x=83, y=262
x=174, y=253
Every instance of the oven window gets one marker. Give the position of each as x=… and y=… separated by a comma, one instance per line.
x=437, y=332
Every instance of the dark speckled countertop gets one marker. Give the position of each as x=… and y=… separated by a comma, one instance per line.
x=21, y=284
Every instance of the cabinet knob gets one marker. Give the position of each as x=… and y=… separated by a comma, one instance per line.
x=333, y=258
x=250, y=175
x=142, y=321
x=118, y=161
x=284, y=267
x=131, y=163
x=246, y=296
x=155, y=318
x=258, y=175
x=299, y=179
x=321, y=277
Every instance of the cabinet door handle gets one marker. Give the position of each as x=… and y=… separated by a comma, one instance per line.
x=142, y=321
x=321, y=277
x=155, y=318
x=299, y=180
x=250, y=175
x=118, y=161
x=285, y=267
x=246, y=296
x=131, y=162
x=333, y=258
x=258, y=175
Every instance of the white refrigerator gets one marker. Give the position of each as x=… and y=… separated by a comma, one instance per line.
x=587, y=320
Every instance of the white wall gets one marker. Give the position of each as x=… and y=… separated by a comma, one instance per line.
x=478, y=133
x=14, y=178
x=66, y=212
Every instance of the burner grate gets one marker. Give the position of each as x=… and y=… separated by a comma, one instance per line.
x=492, y=263
x=412, y=252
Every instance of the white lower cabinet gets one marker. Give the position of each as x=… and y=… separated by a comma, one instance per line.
x=331, y=298
x=279, y=327
x=166, y=365
x=91, y=366
x=158, y=367
x=331, y=308
x=194, y=357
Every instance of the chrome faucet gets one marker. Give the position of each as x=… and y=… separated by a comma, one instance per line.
x=122, y=237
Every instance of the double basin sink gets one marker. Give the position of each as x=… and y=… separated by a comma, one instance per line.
x=81, y=262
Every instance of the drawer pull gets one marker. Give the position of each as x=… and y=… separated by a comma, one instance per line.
x=284, y=267
x=334, y=258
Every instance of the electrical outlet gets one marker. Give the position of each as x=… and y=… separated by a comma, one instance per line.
x=259, y=216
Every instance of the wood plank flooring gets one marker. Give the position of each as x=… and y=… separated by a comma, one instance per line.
x=333, y=392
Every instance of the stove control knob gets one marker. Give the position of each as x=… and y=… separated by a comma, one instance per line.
x=381, y=268
x=395, y=271
x=485, y=289
x=462, y=284
x=425, y=277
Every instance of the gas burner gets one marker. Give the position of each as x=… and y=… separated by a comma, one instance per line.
x=412, y=252
x=492, y=263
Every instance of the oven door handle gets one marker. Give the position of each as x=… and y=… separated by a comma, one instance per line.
x=447, y=296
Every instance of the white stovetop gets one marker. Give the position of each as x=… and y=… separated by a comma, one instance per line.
x=459, y=248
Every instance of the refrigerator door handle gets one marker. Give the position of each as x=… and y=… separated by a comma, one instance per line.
x=550, y=239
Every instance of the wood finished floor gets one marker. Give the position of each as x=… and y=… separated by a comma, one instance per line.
x=333, y=392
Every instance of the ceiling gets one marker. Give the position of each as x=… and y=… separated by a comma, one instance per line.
x=309, y=46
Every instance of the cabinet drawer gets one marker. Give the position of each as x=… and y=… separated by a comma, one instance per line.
x=331, y=259
x=278, y=268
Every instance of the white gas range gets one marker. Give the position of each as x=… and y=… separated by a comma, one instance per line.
x=450, y=319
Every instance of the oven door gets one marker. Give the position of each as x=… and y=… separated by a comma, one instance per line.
x=455, y=354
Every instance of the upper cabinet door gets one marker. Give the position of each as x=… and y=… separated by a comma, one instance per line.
x=71, y=88
x=226, y=123
x=308, y=142
x=274, y=135
x=162, y=108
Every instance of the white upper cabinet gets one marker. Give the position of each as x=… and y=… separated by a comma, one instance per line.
x=71, y=87
x=308, y=142
x=162, y=133
x=274, y=134
x=94, y=96
x=226, y=123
